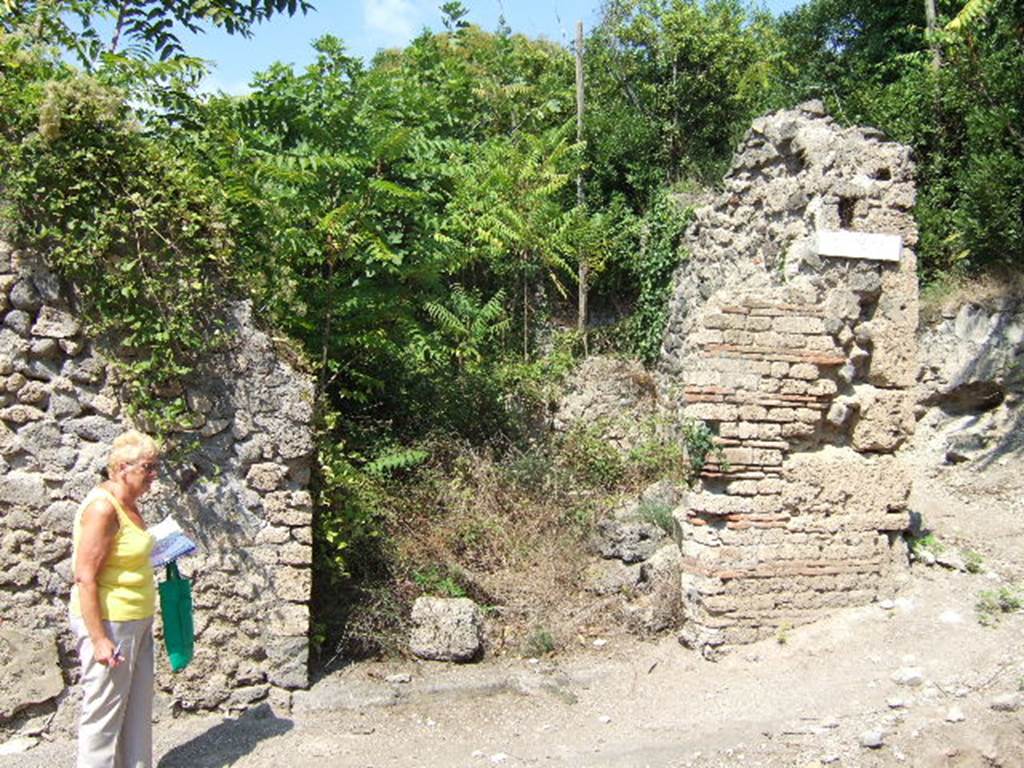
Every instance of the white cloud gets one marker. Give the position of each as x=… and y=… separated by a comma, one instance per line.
x=213, y=84
x=396, y=21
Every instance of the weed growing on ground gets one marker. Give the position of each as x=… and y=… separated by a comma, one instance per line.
x=540, y=643
x=439, y=581
x=973, y=562
x=993, y=603
x=657, y=513
x=782, y=634
x=926, y=543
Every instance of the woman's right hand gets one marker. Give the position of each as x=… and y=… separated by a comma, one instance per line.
x=106, y=653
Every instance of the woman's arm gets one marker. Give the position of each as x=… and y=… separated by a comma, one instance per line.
x=98, y=528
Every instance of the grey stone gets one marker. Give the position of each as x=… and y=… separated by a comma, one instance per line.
x=289, y=662
x=911, y=677
x=47, y=284
x=45, y=348
x=950, y=558
x=59, y=516
x=872, y=739
x=89, y=370
x=63, y=406
x=627, y=540
x=25, y=297
x=19, y=321
x=289, y=620
x=662, y=568
x=1007, y=702
x=608, y=577
x=446, y=629
x=290, y=441
x=41, y=369
x=29, y=669
x=95, y=428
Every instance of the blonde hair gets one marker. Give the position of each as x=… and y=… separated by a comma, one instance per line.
x=129, y=448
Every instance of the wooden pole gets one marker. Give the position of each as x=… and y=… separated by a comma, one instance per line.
x=581, y=323
x=931, y=25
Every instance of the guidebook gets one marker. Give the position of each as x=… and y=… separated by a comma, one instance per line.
x=171, y=542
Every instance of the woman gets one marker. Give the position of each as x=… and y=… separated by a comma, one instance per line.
x=112, y=606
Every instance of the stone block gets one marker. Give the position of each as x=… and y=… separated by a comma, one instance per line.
x=805, y=325
x=25, y=296
x=294, y=553
x=289, y=620
x=610, y=577
x=804, y=371
x=289, y=662
x=95, y=428
x=272, y=534
x=25, y=489
x=446, y=629
x=266, y=476
x=724, y=321
x=56, y=324
x=29, y=669
x=20, y=414
x=291, y=508
x=886, y=420
x=627, y=540
x=293, y=584
x=48, y=349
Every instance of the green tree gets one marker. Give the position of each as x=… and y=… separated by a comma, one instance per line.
x=143, y=28
x=670, y=86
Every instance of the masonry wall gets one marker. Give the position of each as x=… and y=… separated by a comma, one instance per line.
x=240, y=490
x=803, y=365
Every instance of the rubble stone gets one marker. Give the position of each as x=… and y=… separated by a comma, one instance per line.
x=446, y=629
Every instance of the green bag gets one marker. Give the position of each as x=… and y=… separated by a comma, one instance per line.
x=176, y=610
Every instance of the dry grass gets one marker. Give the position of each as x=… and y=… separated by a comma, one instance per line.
x=510, y=534
x=944, y=297
x=511, y=531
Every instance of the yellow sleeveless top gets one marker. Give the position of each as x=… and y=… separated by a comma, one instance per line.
x=127, y=589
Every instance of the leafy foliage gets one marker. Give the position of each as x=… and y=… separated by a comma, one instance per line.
x=146, y=28
x=135, y=228
x=961, y=112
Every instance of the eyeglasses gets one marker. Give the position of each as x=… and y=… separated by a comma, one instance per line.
x=149, y=467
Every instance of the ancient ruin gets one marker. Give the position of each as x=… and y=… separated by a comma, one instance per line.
x=791, y=334
x=240, y=491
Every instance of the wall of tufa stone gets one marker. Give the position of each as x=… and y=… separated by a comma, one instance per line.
x=804, y=366
x=239, y=489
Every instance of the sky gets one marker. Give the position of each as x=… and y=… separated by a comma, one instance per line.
x=367, y=26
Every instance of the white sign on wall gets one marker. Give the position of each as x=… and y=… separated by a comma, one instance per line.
x=845, y=244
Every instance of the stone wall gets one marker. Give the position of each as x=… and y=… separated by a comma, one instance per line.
x=971, y=382
x=803, y=363
x=240, y=490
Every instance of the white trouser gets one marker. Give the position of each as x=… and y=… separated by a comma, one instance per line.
x=116, y=725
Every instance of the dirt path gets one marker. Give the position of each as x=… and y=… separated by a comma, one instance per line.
x=808, y=698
